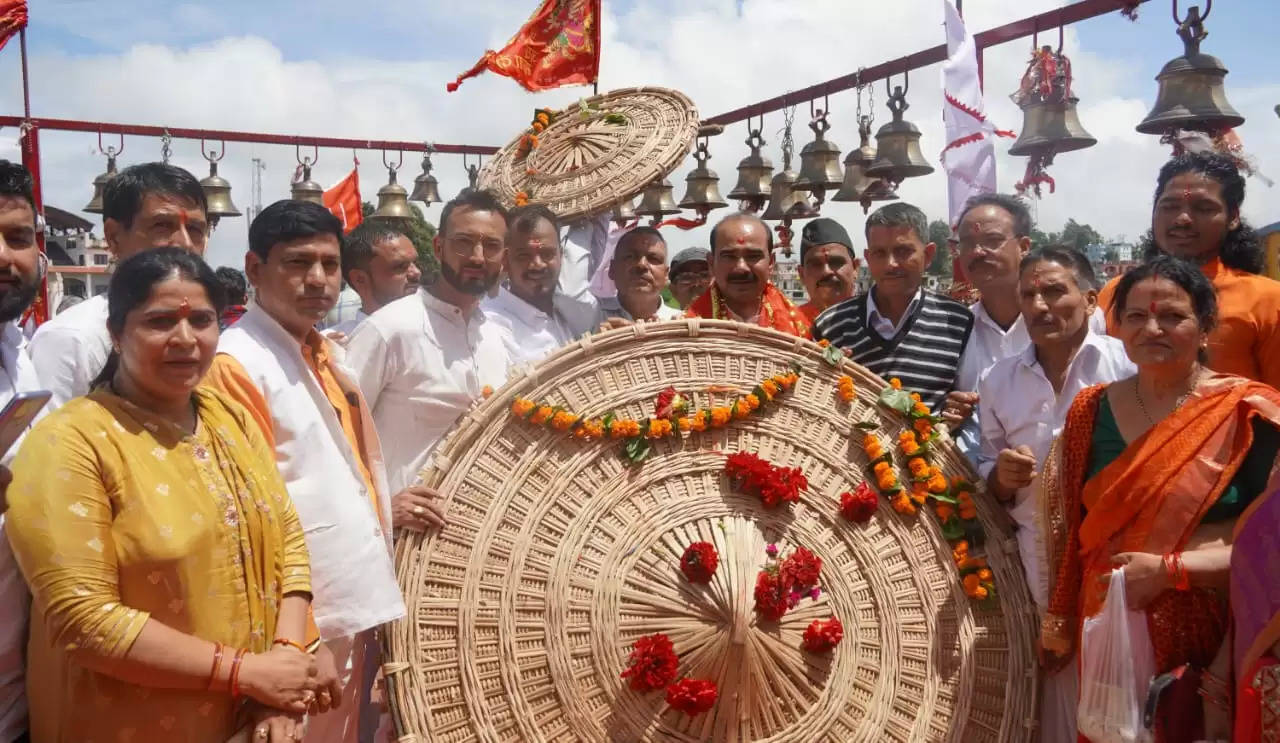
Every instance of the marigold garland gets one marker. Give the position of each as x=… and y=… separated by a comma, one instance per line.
x=671, y=416
x=844, y=388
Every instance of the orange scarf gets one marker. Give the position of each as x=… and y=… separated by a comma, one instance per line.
x=1150, y=499
x=776, y=311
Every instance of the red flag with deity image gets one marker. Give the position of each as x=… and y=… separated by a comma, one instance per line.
x=344, y=201
x=13, y=18
x=559, y=45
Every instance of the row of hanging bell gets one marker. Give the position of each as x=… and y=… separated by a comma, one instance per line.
x=217, y=194
x=819, y=162
x=1051, y=125
x=856, y=184
x=656, y=201
x=702, y=192
x=425, y=187
x=1191, y=95
x=754, y=171
x=898, y=154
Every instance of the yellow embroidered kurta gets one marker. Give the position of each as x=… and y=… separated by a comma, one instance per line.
x=117, y=517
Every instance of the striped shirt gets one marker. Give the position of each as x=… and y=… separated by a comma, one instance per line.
x=925, y=352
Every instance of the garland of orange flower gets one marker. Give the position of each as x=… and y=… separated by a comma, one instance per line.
x=671, y=416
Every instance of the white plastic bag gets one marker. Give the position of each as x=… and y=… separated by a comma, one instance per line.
x=1117, y=664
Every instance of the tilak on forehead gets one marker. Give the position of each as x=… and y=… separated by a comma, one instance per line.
x=184, y=309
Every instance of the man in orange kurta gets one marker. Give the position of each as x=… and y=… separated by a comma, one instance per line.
x=1197, y=217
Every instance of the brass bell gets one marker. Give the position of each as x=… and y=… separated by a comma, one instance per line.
x=656, y=200
x=217, y=192
x=754, y=172
x=785, y=202
x=393, y=200
x=1191, y=95
x=898, y=155
x=307, y=189
x=877, y=191
x=856, y=163
x=1051, y=126
x=819, y=161
x=99, y=185
x=703, y=193
x=425, y=187
x=623, y=214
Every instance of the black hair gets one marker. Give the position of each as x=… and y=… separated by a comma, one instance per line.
x=1016, y=207
x=287, y=220
x=899, y=214
x=1241, y=248
x=357, y=248
x=768, y=231
x=525, y=218
x=124, y=193
x=1183, y=273
x=635, y=233
x=479, y=199
x=136, y=277
x=1066, y=256
x=15, y=180
x=234, y=287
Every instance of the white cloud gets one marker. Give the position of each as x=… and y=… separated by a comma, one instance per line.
x=719, y=56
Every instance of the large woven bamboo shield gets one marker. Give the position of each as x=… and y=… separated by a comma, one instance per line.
x=559, y=553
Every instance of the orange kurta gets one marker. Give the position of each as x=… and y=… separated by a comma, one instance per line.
x=1247, y=340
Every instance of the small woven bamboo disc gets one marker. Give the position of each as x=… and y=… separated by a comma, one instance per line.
x=585, y=164
x=558, y=555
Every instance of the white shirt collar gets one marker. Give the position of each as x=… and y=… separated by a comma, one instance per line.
x=880, y=323
x=1092, y=344
x=451, y=311
x=981, y=316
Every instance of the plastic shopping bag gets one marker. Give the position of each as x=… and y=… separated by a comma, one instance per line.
x=1116, y=667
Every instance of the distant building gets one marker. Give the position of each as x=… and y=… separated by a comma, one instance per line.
x=1097, y=253
x=786, y=277
x=79, y=262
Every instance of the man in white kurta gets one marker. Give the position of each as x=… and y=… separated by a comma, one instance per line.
x=424, y=360
x=537, y=318
x=151, y=205
x=20, y=269
x=1025, y=399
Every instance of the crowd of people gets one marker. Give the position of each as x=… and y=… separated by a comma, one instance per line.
x=199, y=528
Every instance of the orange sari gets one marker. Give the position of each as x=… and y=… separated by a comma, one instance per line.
x=1150, y=499
x=776, y=311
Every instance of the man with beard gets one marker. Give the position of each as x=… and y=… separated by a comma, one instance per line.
x=1196, y=217
x=898, y=329
x=21, y=268
x=152, y=205
x=380, y=263
x=275, y=363
x=639, y=271
x=536, y=318
x=741, y=267
x=690, y=275
x=1025, y=398
x=423, y=360
x=827, y=266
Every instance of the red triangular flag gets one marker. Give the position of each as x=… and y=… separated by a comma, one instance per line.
x=344, y=201
x=558, y=45
x=13, y=18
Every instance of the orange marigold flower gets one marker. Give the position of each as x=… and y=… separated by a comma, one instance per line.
x=910, y=447
x=698, y=422
x=920, y=408
x=984, y=574
x=918, y=467
x=874, y=451
x=741, y=409
x=961, y=547
x=980, y=593
x=542, y=414
x=918, y=496
x=823, y=343
x=538, y=126
x=521, y=407
x=868, y=439
x=923, y=427
x=895, y=383
x=848, y=395
x=770, y=387
x=937, y=484
x=753, y=402
x=973, y=563
x=685, y=424
x=881, y=468
x=562, y=421
x=971, y=583
x=486, y=392
x=720, y=416
x=968, y=513
x=915, y=397
x=903, y=505
x=887, y=481
x=944, y=511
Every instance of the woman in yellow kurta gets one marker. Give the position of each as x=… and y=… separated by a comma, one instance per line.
x=167, y=566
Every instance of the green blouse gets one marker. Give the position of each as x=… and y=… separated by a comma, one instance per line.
x=1249, y=481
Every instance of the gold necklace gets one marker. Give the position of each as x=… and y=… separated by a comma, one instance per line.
x=1137, y=393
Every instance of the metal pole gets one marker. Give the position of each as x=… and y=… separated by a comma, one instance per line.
x=29, y=142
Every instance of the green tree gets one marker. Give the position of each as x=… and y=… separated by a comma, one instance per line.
x=1077, y=235
x=1039, y=239
x=938, y=234
x=420, y=232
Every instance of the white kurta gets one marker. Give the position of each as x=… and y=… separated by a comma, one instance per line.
x=70, y=350
x=421, y=363
x=531, y=334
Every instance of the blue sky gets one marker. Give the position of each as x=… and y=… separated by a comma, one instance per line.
x=377, y=70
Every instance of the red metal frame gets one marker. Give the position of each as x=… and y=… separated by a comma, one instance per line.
x=1074, y=13
x=74, y=125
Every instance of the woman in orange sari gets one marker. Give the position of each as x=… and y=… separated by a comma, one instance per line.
x=1150, y=476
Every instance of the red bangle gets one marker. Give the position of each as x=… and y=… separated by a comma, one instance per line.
x=290, y=643
x=235, y=673
x=1184, y=578
x=217, y=664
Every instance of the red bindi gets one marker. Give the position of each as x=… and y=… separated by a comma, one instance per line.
x=1186, y=195
x=1153, y=308
x=741, y=240
x=184, y=309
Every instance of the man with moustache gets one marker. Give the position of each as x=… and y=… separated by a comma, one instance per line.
x=380, y=263
x=827, y=266
x=741, y=267
x=690, y=275
x=899, y=329
x=21, y=269
x=275, y=363
x=1025, y=399
x=1196, y=217
x=422, y=361
x=639, y=271
x=536, y=317
x=152, y=205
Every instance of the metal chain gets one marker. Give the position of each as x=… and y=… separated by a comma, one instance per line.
x=166, y=150
x=788, y=144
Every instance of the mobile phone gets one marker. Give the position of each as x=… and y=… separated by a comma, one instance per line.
x=18, y=414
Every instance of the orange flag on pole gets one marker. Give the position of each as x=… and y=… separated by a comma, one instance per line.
x=344, y=201
x=559, y=45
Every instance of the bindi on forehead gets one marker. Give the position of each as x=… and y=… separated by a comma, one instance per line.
x=184, y=309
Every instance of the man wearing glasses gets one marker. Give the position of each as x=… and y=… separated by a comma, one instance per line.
x=421, y=361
